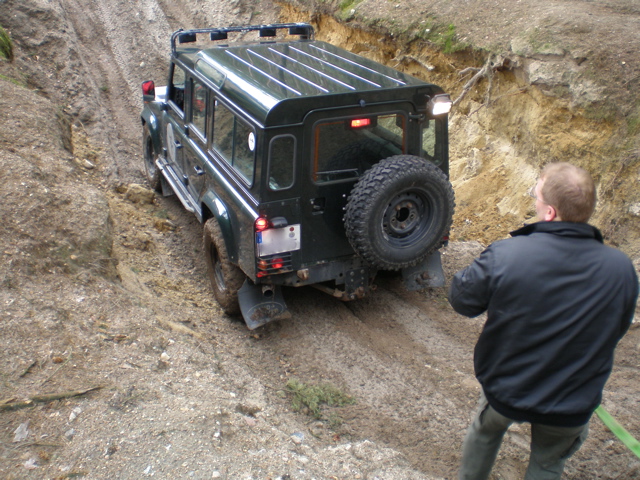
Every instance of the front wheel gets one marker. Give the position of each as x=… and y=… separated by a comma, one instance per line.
x=399, y=211
x=151, y=170
x=225, y=277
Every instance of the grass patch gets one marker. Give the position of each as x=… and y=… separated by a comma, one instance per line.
x=443, y=36
x=345, y=9
x=315, y=398
x=601, y=112
x=163, y=213
x=13, y=80
x=633, y=122
x=6, y=45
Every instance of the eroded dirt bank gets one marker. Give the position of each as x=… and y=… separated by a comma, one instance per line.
x=104, y=287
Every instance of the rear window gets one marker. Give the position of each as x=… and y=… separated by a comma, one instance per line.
x=345, y=148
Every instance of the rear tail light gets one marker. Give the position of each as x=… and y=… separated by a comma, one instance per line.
x=148, y=88
x=261, y=224
x=274, y=264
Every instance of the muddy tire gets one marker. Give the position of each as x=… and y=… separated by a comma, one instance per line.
x=151, y=170
x=226, y=278
x=399, y=211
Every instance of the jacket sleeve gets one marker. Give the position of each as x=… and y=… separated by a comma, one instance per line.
x=631, y=308
x=470, y=291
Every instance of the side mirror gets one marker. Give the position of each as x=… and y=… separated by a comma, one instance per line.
x=148, y=91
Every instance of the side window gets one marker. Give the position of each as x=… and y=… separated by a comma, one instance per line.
x=244, y=146
x=223, y=132
x=198, y=107
x=176, y=87
x=429, y=139
x=282, y=151
x=235, y=141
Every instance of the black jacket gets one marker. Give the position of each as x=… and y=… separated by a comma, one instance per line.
x=557, y=302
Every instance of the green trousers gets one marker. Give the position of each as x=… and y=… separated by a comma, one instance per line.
x=550, y=446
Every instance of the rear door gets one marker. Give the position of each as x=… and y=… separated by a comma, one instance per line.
x=340, y=149
x=174, y=120
x=196, y=143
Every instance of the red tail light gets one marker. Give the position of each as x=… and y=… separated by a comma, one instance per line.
x=277, y=263
x=148, y=88
x=261, y=224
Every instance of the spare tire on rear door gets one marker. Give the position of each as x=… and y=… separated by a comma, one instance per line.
x=399, y=211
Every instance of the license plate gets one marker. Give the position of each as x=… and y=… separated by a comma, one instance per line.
x=278, y=240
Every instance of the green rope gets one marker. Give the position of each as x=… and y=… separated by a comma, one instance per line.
x=619, y=431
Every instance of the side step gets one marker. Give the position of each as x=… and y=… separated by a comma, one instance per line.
x=169, y=177
x=261, y=304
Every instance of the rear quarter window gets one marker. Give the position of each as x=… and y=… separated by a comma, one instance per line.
x=234, y=141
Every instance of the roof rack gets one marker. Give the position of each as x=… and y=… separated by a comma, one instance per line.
x=303, y=30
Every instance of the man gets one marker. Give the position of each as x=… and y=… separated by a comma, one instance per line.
x=557, y=301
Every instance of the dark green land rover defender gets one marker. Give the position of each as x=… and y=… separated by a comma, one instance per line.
x=307, y=164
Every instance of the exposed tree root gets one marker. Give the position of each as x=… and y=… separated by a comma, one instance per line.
x=493, y=64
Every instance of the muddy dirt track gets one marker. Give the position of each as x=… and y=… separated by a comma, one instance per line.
x=104, y=289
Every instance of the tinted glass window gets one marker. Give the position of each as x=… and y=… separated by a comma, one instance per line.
x=244, y=146
x=347, y=148
x=199, y=107
x=235, y=141
x=176, y=88
x=223, y=132
x=429, y=139
x=281, y=162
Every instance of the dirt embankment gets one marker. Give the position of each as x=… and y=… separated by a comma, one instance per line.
x=104, y=286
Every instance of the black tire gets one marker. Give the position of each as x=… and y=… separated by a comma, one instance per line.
x=151, y=170
x=226, y=278
x=399, y=211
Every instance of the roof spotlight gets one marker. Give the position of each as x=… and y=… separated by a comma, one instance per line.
x=439, y=104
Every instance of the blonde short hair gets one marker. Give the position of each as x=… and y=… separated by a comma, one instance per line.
x=570, y=190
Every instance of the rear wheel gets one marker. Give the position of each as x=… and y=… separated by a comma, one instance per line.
x=226, y=278
x=151, y=170
x=399, y=211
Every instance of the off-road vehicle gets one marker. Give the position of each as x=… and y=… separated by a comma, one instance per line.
x=307, y=164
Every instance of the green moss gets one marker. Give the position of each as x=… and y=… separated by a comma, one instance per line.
x=315, y=397
x=345, y=7
x=443, y=36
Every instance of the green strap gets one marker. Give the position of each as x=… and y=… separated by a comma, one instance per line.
x=619, y=431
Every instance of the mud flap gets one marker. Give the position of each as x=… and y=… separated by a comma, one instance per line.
x=261, y=304
x=427, y=273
